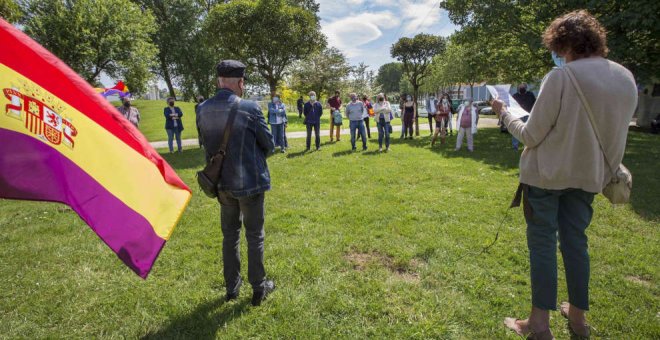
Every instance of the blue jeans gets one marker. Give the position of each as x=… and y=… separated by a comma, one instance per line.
x=568, y=213
x=278, y=135
x=170, y=136
x=383, y=132
x=356, y=125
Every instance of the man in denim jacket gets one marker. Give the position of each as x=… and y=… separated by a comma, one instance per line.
x=244, y=178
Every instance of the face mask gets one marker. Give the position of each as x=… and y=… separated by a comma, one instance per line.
x=312, y=98
x=276, y=99
x=466, y=103
x=171, y=103
x=353, y=99
x=444, y=101
x=127, y=104
x=380, y=99
x=559, y=61
x=522, y=90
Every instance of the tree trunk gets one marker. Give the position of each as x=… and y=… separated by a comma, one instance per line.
x=472, y=91
x=167, y=77
x=415, y=92
x=272, y=84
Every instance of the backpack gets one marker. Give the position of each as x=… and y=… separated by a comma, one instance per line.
x=337, y=117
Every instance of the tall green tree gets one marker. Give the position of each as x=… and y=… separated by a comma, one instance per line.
x=389, y=76
x=185, y=55
x=268, y=34
x=416, y=55
x=111, y=36
x=633, y=28
x=10, y=11
x=322, y=72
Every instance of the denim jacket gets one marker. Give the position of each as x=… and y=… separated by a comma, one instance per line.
x=276, y=113
x=244, y=171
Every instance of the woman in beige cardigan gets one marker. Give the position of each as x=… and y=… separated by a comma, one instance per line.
x=563, y=166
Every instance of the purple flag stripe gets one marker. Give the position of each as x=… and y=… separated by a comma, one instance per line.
x=32, y=170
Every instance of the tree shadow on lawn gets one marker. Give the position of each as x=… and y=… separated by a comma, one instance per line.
x=642, y=155
x=490, y=146
x=187, y=159
x=203, y=322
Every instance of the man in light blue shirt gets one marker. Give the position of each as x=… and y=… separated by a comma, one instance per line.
x=354, y=111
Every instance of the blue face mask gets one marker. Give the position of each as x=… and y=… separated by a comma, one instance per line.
x=559, y=61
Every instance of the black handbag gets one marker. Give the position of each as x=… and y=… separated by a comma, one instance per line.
x=209, y=177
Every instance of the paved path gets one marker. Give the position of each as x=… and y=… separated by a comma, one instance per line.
x=423, y=125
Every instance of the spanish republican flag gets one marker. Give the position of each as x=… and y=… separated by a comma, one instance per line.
x=61, y=141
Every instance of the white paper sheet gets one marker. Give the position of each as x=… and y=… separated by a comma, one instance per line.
x=501, y=92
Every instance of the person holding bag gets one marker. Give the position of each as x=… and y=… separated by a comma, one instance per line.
x=575, y=140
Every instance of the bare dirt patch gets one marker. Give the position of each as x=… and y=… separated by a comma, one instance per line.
x=408, y=272
x=639, y=280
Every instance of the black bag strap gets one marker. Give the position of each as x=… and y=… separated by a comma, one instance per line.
x=227, y=133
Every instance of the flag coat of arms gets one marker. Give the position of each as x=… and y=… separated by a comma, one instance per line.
x=61, y=141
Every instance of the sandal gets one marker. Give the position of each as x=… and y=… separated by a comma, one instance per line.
x=584, y=332
x=512, y=324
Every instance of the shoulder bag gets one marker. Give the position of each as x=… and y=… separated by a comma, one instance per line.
x=209, y=178
x=619, y=188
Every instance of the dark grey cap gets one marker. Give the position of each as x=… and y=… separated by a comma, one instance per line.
x=231, y=69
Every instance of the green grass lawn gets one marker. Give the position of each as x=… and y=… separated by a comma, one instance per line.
x=361, y=245
x=152, y=124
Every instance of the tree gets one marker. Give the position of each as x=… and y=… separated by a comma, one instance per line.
x=361, y=81
x=111, y=36
x=185, y=56
x=416, y=55
x=268, y=34
x=10, y=11
x=633, y=34
x=389, y=76
x=322, y=72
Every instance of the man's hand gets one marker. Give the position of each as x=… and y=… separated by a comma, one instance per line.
x=498, y=107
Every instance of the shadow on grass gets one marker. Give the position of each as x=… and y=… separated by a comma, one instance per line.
x=188, y=159
x=203, y=322
x=490, y=147
x=344, y=153
x=642, y=155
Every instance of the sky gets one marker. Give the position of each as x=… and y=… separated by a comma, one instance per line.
x=364, y=30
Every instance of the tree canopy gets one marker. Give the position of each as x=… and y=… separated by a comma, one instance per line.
x=322, y=72
x=389, y=76
x=111, y=36
x=268, y=34
x=514, y=29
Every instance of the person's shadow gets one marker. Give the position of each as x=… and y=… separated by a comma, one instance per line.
x=203, y=322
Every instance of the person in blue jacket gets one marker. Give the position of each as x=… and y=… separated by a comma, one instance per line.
x=277, y=120
x=313, y=111
x=173, y=124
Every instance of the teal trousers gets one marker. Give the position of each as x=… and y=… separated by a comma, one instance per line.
x=567, y=214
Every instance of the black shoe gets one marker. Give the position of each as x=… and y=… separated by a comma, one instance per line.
x=233, y=294
x=306, y=149
x=259, y=296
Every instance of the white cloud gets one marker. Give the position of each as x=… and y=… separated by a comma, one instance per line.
x=349, y=33
x=419, y=16
x=364, y=30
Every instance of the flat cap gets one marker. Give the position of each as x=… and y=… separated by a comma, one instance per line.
x=231, y=69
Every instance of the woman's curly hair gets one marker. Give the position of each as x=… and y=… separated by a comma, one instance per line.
x=578, y=33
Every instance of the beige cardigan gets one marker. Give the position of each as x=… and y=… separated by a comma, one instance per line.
x=561, y=147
